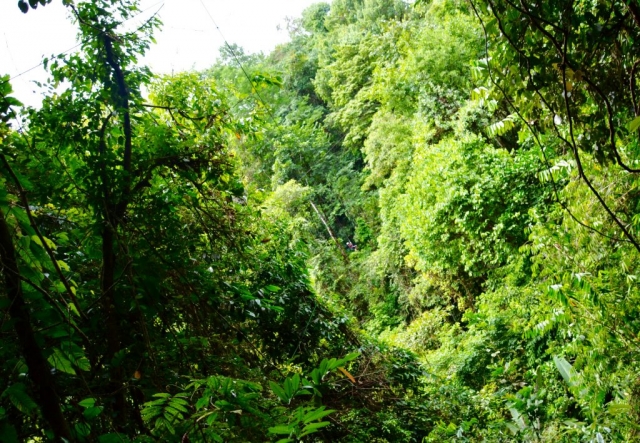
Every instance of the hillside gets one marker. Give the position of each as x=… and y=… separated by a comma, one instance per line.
x=414, y=222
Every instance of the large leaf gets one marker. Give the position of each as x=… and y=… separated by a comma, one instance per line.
x=317, y=414
x=277, y=389
x=60, y=361
x=634, y=124
x=17, y=394
x=280, y=429
x=565, y=369
x=313, y=427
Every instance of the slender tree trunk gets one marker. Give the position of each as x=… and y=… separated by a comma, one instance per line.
x=113, y=218
x=112, y=322
x=39, y=370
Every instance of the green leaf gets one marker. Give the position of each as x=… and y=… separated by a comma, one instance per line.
x=291, y=385
x=202, y=402
x=617, y=408
x=52, y=246
x=63, y=266
x=281, y=429
x=317, y=414
x=501, y=127
x=350, y=357
x=634, y=124
x=88, y=402
x=313, y=427
x=275, y=387
x=17, y=394
x=60, y=361
x=565, y=369
x=83, y=429
x=74, y=310
x=178, y=406
x=91, y=413
x=513, y=428
x=272, y=288
x=83, y=364
x=316, y=377
x=212, y=418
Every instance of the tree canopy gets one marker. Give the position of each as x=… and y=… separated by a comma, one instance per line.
x=415, y=221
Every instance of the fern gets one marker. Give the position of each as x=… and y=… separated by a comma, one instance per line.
x=165, y=412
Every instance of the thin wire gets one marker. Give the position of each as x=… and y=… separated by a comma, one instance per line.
x=40, y=64
x=80, y=44
x=273, y=120
x=257, y=93
x=6, y=42
x=305, y=172
x=235, y=57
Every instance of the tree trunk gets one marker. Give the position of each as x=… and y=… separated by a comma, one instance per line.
x=112, y=323
x=39, y=370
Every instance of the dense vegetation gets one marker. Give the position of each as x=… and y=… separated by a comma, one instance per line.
x=413, y=222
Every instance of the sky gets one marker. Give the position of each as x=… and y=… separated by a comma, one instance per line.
x=188, y=39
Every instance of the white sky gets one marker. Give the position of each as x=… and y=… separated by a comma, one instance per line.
x=188, y=38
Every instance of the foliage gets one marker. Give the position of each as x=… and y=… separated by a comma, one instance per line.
x=448, y=188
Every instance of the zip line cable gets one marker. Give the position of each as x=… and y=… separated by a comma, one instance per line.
x=273, y=119
x=253, y=89
x=82, y=42
x=40, y=64
x=236, y=58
